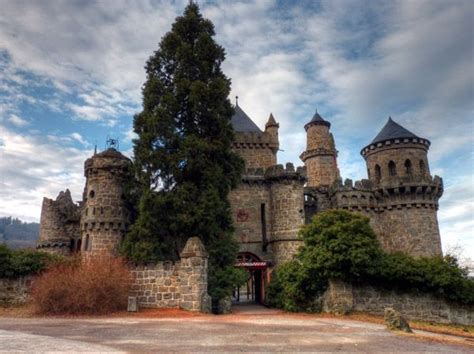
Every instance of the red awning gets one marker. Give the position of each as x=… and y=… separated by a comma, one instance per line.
x=253, y=265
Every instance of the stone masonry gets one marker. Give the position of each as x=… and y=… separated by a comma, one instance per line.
x=342, y=297
x=180, y=284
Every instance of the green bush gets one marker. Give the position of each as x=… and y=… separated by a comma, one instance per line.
x=341, y=245
x=16, y=263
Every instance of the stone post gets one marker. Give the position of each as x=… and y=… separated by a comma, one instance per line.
x=193, y=277
x=338, y=298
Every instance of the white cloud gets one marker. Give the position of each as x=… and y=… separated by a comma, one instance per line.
x=17, y=121
x=32, y=167
x=78, y=137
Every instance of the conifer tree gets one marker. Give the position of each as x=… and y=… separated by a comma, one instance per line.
x=183, y=159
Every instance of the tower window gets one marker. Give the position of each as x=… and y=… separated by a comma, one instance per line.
x=392, y=168
x=91, y=194
x=422, y=168
x=87, y=244
x=408, y=169
x=264, y=227
x=378, y=173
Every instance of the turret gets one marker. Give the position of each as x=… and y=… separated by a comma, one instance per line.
x=105, y=216
x=287, y=208
x=271, y=128
x=407, y=196
x=320, y=157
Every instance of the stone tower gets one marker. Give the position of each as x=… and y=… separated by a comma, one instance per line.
x=320, y=157
x=407, y=196
x=287, y=210
x=59, y=225
x=105, y=217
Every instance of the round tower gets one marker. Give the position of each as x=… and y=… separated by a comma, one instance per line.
x=105, y=217
x=287, y=210
x=407, y=195
x=320, y=157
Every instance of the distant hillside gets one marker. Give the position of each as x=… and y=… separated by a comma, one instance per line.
x=18, y=234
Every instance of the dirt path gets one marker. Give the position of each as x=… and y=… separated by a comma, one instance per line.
x=248, y=330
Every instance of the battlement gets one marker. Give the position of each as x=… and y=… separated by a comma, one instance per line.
x=417, y=192
x=278, y=172
x=110, y=160
x=396, y=143
x=254, y=140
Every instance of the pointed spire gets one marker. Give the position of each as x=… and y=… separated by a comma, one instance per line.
x=271, y=122
x=317, y=120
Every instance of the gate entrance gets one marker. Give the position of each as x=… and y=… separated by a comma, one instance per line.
x=254, y=290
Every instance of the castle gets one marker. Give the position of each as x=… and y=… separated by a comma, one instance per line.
x=272, y=202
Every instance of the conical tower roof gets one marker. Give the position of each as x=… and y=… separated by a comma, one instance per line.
x=241, y=122
x=392, y=130
x=317, y=119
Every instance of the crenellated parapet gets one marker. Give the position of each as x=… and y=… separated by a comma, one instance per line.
x=287, y=173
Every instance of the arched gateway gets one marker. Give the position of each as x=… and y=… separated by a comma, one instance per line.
x=259, y=276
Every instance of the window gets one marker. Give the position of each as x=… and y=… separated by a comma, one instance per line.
x=87, y=244
x=392, y=169
x=91, y=194
x=264, y=227
x=378, y=173
x=422, y=168
x=408, y=169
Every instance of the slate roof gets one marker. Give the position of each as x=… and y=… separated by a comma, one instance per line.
x=241, y=122
x=392, y=130
x=318, y=120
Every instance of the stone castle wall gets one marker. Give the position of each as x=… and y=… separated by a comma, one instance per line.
x=342, y=297
x=59, y=225
x=411, y=230
x=399, y=154
x=247, y=202
x=181, y=284
x=14, y=291
x=257, y=156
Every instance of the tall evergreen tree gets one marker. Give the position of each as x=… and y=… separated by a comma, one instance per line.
x=183, y=158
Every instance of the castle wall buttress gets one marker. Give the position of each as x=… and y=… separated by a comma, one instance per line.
x=250, y=205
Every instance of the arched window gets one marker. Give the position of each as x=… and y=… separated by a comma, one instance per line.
x=91, y=194
x=392, y=168
x=408, y=169
x=422, y=168
x=79, y=244
x=378, y=173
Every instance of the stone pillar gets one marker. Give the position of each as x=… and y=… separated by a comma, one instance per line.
x=193, y=277
x=338, y=298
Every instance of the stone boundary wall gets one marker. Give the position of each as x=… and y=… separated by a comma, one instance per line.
x=180, y=284
x=344, y=297
x=14, y=291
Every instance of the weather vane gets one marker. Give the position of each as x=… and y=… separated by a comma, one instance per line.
x=112, y=143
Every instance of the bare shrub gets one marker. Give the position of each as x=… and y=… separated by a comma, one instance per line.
x=96, y=286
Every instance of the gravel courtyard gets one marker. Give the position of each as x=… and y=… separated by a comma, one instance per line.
x=247, y=331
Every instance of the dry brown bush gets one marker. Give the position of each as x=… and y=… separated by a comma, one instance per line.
x=97, y=286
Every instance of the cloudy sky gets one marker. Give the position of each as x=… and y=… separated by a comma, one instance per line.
x=71, y=73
